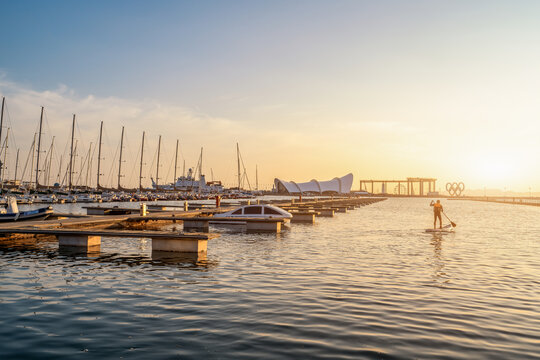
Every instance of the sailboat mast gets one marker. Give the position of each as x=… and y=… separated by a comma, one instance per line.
x=99, y=155
x=32, y=162
x=16, y=165
x=39, y=147
x=88, y=166
x=184, y=169
x=75, y=158
x=58, y=179
x=50, y=163
x=2, y=116
x=120, y=158
x=140, y=167
x=200, y=167
x=238, y=160
x=256, y=178
x=157, y=167
x=5, y=153
x=175, y=165
x=2, y=121
x=71, y=153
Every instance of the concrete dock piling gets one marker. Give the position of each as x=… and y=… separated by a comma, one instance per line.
x=85, y=241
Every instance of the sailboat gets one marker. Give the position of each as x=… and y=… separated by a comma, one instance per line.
x=12, y=212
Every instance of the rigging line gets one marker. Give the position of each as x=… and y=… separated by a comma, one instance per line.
x=40, y=150
x=48, y=128
x=92, y=162
x=134, y=168
x=64, y=156
x=58, y=174
x=5, y=168
x=113, y=166
x=128, y=160
x=245, y=171
x=106, y=154
x=154, y=160
x=10, y=125
x=50, y=162
x=7, y=124
x=171, y=166
x=45, y=165
x=64, y=179
x=30, y=153
x=195, y=172
x=83, y=163
x=79, y=133
x=73, y=168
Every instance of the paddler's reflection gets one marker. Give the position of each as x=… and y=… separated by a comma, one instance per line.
x=438, y=258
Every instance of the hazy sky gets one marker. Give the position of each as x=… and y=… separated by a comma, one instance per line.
x=310, y=89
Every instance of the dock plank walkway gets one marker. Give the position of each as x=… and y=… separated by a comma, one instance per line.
x=111, y=233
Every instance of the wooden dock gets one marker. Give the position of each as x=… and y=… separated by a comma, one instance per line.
x=86, y=231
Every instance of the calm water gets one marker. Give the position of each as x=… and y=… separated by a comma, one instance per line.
x=367, y=284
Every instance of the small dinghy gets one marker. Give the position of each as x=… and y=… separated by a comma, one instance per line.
x=13, y=214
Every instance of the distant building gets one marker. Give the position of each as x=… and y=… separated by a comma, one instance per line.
x=340, y=185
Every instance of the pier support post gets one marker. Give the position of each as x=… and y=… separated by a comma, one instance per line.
x=179, y=245
x=86, y=241
x=196, y=225
x=263, y=226
x=143, y=209
x=96, y=211
x=304, y=218
x=325, y=212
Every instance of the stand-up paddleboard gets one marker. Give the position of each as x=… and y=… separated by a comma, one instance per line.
x=445, y=230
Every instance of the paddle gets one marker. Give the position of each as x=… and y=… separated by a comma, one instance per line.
x=451, y=222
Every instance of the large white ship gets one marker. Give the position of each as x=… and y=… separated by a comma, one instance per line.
x=189, y=183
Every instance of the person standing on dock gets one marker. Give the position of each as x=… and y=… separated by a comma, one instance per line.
x=437, y=210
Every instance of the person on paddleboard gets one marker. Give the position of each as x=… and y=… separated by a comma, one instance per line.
x=437, y=211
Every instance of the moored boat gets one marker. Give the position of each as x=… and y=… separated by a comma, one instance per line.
x=13, y=214
x=253, y=211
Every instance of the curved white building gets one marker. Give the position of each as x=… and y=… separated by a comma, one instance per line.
x=340, y=185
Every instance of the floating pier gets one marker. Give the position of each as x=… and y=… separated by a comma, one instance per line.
x=161, y=240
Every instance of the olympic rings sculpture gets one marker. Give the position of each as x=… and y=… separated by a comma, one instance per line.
x=455, y=189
